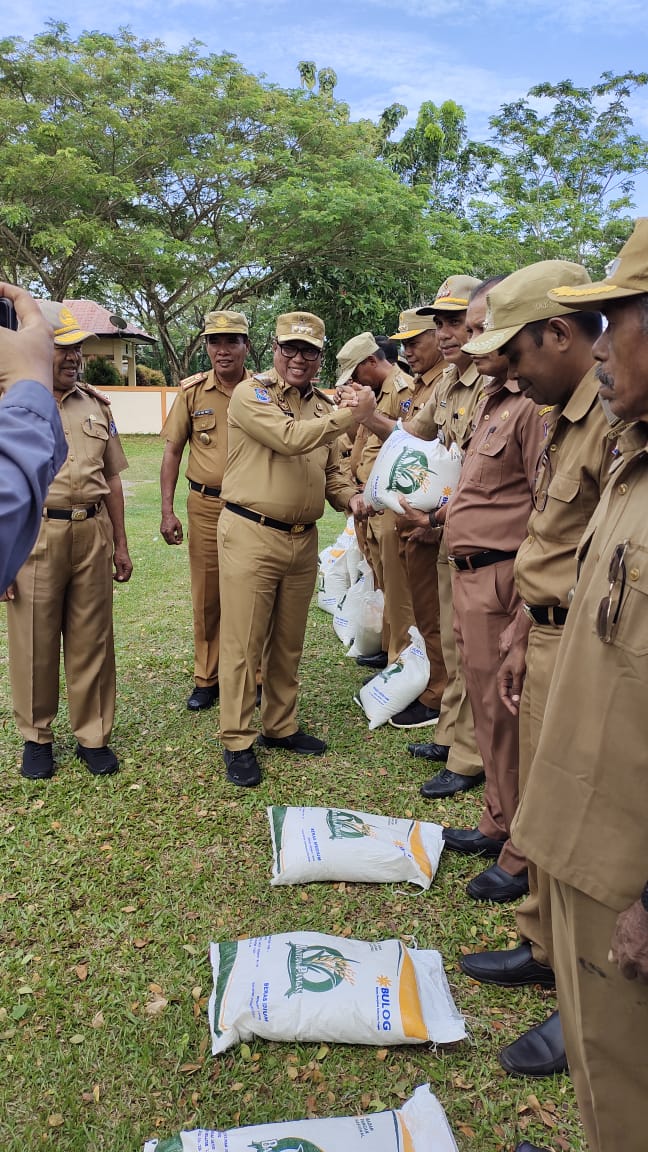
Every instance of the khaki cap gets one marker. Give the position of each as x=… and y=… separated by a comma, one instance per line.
x=300, y=326
x=66, y=326
x=413, y=322
x=225, y=323
x=454, y=293
x=522, y=299
x=626, y=276
x=353, y=353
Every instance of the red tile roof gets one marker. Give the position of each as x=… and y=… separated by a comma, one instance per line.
x=94, y=318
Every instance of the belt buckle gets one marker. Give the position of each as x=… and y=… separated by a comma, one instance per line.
x=79, y=514
x=297, y=529
x=526, y=608
x=453, y=563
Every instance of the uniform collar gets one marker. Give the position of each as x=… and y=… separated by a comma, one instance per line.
x=583, y=398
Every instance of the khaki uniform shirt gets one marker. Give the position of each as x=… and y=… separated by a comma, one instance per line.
x=95, y=453
x=491, y=505
x=199, y=415
x=284, y=459
x=573, y=470
x=393, y=400
x=425, y=387
x=584, y=814
x=451, y=417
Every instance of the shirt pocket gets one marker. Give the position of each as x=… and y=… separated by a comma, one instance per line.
x=490, y=461
x=631, y=633
x=95, y=439
x=204, y=423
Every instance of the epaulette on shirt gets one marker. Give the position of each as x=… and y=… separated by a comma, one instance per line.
x=400, y=383
x=264, y=378
x=191, y=381
x=92, y=391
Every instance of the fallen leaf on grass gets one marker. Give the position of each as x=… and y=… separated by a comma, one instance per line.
x=97, y=1020
x=467, y=1130
x=55, y=1120
x=155, y=1006
x=381, y=1054
x=81, y=971
x=78, y=1038
x=140, y=943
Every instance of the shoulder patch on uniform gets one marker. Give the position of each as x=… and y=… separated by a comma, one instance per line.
x=112, y=427
x=406, y=405
x=263, y=395
x=92, y=391
x=191, y=381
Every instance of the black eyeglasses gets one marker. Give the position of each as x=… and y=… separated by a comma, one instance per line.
x=609, y=610
x=307, y=351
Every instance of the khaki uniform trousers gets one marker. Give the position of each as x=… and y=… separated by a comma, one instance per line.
x=203, y=513
x=65, y=589
x=455, y=725
x=267, y=581
x=533, y=915
x=391, y=576
x=420, y=560
x=486, y=601
x=604, y=1019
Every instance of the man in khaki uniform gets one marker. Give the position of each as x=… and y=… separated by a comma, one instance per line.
x=552, y=361
x=455, y=401
x=583, y=817
x=199, y=416
x=283, y=462
x=363, y=361
x=65, y=587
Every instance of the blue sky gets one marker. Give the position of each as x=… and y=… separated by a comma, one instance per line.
x=477, y=52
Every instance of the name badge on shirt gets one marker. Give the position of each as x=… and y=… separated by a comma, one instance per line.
x=203, y=412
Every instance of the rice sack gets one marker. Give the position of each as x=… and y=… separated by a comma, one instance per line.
x=310, y=986
x=310, y=844
x=425, y=472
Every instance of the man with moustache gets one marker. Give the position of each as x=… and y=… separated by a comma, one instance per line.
x=199, y=417
x=283, y=462
x=484, y=524
x=551, y=360
x=583, y=817
x=64, y=590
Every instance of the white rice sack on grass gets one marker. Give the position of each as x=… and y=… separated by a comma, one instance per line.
x=333, y=578
x=354, y=559
x=369, y=625
x=425, y=472
x=419, y=1126
x=398, y=685
x=347, y=612
x=309, y=986
x=310, y=844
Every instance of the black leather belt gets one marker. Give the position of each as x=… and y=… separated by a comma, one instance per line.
x=72, y=513
x=478, y=560
x=203, y=489
x=248, y=514
x=546, y=614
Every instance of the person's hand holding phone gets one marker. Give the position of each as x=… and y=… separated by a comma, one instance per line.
x=28, y=353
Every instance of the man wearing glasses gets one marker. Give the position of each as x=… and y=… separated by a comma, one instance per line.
x=584, y=815
x=199, y=417
x=283, y=462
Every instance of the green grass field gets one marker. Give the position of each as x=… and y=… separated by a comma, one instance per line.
x=112, y=890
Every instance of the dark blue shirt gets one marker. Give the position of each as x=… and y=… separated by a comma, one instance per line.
x=32, y=449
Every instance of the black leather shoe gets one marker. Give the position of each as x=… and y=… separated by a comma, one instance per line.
x=417, y=715
x=511, y=968
x=446, y=783
x=526, y=1147
x=471, y=842
x=498, y=885
x=202, y=698
x=436, y=752
x=380, y=660
x=242, y=768
x=539, y=1052
x=37, y=761
x=99, y=761
x=299, y=742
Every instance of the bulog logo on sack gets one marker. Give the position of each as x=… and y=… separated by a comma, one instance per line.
x=409, y=472
x=317, y=968
x=347, y=825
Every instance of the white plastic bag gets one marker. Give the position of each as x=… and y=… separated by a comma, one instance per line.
x=425, y=472
x=347, y=612
x=419, y=1126
x=354, y=559
x=333, y=578
x=309, y=986
x=310, y=844
x=369, y=624
x=393, y=689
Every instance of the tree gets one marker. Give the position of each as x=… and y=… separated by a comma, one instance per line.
x=568, y=159
x=179, y=183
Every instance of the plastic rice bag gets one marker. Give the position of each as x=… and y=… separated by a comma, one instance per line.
x=425, y=472
x=419, y=1126
x=310, y=986
x=393, y=689
x=310, y=844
